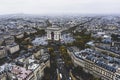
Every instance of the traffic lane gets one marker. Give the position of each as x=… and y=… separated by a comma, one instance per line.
x=61, y=65
x=63, y=71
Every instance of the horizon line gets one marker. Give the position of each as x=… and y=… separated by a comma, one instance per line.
x=60, y=14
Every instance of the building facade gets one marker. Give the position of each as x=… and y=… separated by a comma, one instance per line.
x=12, y=48
x=3, y=52
x=105, y=67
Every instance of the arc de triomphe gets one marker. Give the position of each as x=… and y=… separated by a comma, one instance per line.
x=54, y=33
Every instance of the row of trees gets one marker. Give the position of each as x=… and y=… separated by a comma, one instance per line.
x=40, y=32
x=66, y=57
x=47, y=72
x=78, y=71
x=50, y=72
x=81, y=38
x=115, y=37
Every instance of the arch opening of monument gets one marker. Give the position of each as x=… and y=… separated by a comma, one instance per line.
x=52, y=35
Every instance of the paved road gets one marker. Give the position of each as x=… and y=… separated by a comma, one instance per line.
x=61, y=64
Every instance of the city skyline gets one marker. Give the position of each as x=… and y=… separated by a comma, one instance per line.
x=60, y=7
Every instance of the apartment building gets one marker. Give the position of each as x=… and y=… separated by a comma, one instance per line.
x=98, y=64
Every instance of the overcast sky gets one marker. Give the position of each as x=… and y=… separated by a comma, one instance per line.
x=60, y=6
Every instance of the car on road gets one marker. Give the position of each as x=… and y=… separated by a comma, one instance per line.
x=60, y=75
x=70, y=78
